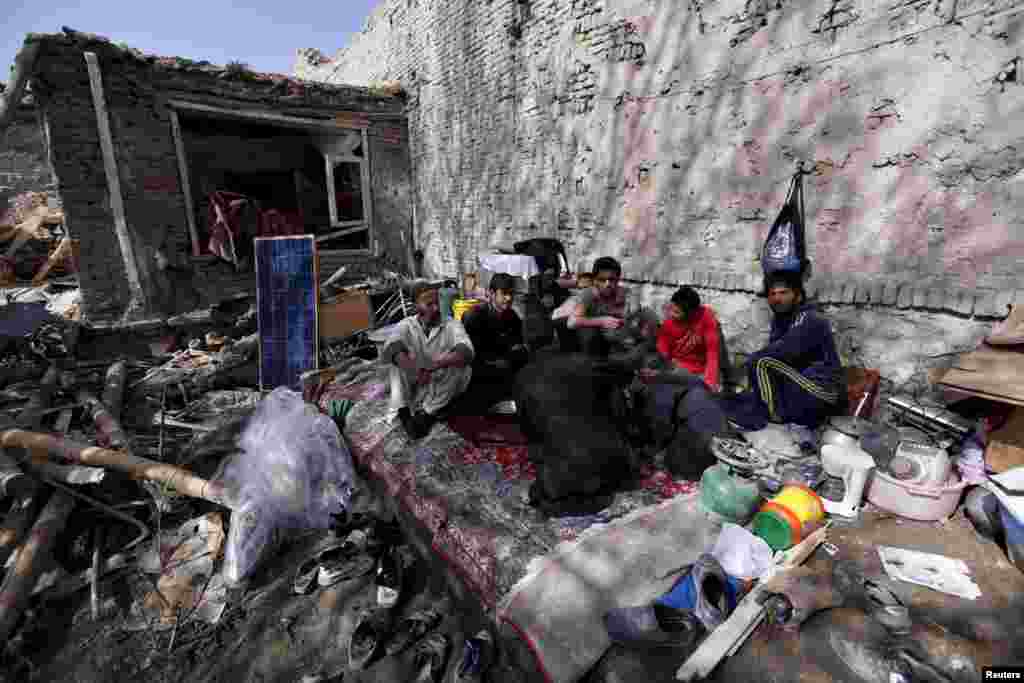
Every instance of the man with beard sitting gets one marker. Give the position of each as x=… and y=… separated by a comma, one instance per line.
x=798, y=377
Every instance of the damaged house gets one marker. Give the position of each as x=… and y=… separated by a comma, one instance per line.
x=163, y=165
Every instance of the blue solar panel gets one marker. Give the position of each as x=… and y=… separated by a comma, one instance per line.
x=286, y=300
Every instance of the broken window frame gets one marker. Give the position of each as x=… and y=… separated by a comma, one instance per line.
x=284, y=121
x=348, y=227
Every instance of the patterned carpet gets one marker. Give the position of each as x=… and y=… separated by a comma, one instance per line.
x=470, y=495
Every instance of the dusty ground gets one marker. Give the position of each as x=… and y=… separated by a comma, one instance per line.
x=776, y=655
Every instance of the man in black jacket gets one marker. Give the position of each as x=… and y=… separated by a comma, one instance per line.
x=798, y=377
x=496, y=331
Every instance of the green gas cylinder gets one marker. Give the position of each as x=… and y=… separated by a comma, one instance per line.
x=729, y=495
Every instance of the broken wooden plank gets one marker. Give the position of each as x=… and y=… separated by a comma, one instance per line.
x=113, y=388
x=31, y=416
x=124, y=237
x=186, y=183
x=16, y=524
x=45, y=447
x=32, y=557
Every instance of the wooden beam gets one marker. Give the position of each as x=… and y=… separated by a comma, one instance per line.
x=186, y=183
x=265, y=116
x=332, y=195
x=131, y=266
x=364, y=170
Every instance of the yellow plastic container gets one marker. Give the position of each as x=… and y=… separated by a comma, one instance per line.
x=789, y=517
x=462, y=305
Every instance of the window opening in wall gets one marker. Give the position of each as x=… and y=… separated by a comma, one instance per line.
x=247, y=178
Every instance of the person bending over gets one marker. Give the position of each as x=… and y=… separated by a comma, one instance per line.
x=798, y=377
x=496, y=331
x=430, y=363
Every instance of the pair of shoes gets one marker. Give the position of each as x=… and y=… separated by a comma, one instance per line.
x=477, y=657
x=431, y=658
x=417, y=425
x=337, y=562
x=412, y=629
x=652, y=627
x=372, y=626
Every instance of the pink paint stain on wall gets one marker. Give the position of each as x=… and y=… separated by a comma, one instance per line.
x=639, y=214
x=974, y=237
x=825, y=96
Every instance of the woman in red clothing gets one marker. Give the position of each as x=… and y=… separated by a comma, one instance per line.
x=689, y=337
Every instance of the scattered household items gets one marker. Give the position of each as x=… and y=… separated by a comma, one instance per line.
x=845, y=432
x=784, y=248
x=851, y=465
x=725, y=640
x=937, y=572
x=927, y=502
x=742, y=554
x=733, y=495
x=932, y=419
x=293, y=473
x=789, y=517
x=1009, y=332
x=286, y=300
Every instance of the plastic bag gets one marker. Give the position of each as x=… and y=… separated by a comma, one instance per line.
x=784, y=248
x=741, y=553
x=294, y=472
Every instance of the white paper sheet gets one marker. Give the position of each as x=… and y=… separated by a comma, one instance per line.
x=944, y=574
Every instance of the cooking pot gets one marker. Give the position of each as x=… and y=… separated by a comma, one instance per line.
x=845, y=432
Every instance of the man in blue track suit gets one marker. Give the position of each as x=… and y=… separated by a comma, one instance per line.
x=798, y=377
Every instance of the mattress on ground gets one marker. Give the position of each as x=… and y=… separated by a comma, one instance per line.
x=471, y=498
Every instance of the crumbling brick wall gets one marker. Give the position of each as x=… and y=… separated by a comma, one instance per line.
x=664, y=132
x=24, y=166
x=137, y=92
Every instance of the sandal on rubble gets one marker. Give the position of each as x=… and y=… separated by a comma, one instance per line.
x=372, y=626
x=336, y=566
x=308, y=573
x=431, y=658
x=412, y=629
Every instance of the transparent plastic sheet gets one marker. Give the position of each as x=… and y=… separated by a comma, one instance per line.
x=293, y=473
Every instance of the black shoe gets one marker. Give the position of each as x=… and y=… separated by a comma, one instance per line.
x=419, y=425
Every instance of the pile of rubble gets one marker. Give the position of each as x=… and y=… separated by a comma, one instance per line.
x=34, y=246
